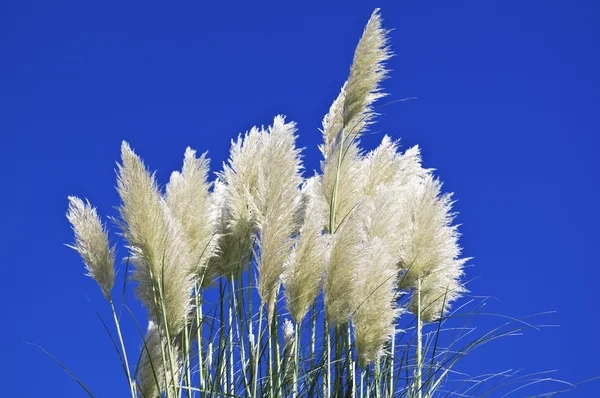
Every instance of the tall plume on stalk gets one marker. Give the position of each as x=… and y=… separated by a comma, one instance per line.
x=430, y=250
x=276, y=205
x=389, y=176
x=160, y=253
x=367, y=72
x=233, y=192
x=352, y=111
x=305, y=266
x=343, y=180
x=375, y=317
x=91, y=242
x=188, y=198
x=348, y=117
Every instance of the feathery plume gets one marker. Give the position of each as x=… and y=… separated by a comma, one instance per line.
x=240, y=176
x=348, y=117
x=91, y=242
x=389, y=176
x=385, y=165
x=352, y=111
x=276, y=204
x=187, y=195
x=304, y=270
x=333, y=124
x=375, y=316
x=367, y=72
x=157, y=242
x=430, y=250
x=347, y=257
x=235, y=217
x=343, y=183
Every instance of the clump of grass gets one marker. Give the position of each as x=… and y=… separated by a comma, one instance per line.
x=364, y=246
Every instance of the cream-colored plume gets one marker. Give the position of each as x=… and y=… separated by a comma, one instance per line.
x=387, y=166
x=235, y=217
x=91, y=242
x=346, y=186
x=276, y=204
x=157, y=242
x=240, y=176
x=376, y=314
x=367, y=71
x=348, y=117
x=430, y=250
x=305, y=267
x=234, y=246
x=348, y=256
x=333, y=124
x=375, y=317
x=187, y=195
x=352, y=111
x=152, y=378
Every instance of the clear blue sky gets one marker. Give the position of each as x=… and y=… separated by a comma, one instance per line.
x=507, y=111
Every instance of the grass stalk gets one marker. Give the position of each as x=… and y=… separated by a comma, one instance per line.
x=199, y=321
x=419, y=354
x=257, y=353
x=126, y=363
x=377, y=377
x=327, y=354
x=169, y=345
x=187, y=362
x=296, y=363
x=391, y=365
x=231, y=385
x=350, y=361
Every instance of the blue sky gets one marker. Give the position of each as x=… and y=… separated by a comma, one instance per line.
x=507, y=112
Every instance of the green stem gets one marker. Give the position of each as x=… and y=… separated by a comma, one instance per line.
x=278, y=374
x=165, y=366
x=271, y=366
x=350, y=362
x=257, y=351
x=362, y=382
x=238, y=329
x=368, y=376
x=186, y=348
x=327, y=353
x=231, y=386
x=169, y=345
x=296, y=362
x=391, y=365
x=419, y=364
x=117, y=325
x=339, y=372
x=199, y=321
x=376, y=377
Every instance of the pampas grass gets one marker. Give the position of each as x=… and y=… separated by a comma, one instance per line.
x=91, y=242
x=268, y=284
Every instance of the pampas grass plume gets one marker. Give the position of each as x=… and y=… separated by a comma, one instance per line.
x=430, y=250
x=188, y=198
x=160, y=251
x=91, y=242
x=276, y=204
x=305, y=267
